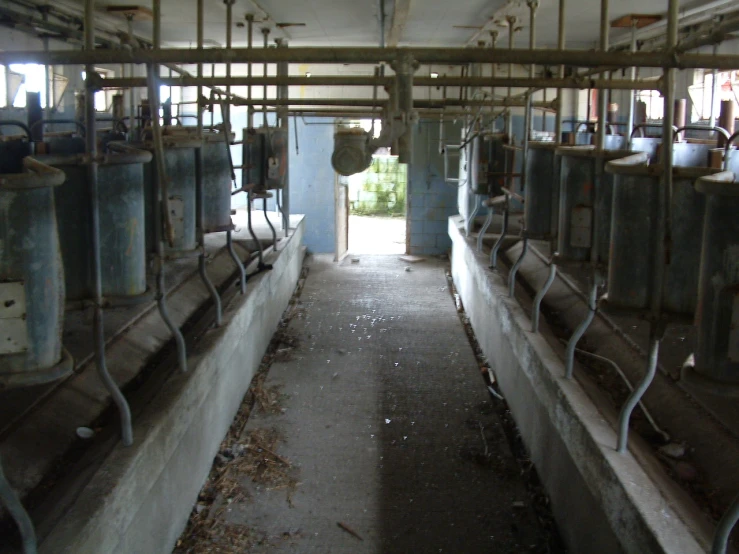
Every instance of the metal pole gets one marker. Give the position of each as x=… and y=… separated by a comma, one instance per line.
x=226, y=116
x=92, y=181
x=632, y=95
x=511, y=32
x=536, y=308
x=639, y=390
x=724, y=527
x=199, y=179
x=162, y=221
x=265, y=35
x=714, y=74
x=503, y=231
x=560, y=100
x=533, y=5
x=602, y=96
x=250, y=40
x=131, y=100
x=664, y=238
x=580, y=331
x=282, y=71
x=9, y=499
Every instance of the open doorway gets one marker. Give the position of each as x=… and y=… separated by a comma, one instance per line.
x=377, y=207
x=377, y=204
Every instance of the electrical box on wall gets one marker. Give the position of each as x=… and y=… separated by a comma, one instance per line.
x=265, y=158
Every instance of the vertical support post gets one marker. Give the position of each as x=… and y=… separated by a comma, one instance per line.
x=726, y=120
x=560, y=46
x=131, y=100
x=250, y=45
x=714, y=76
x=226, y=116
x=161, y=211
x=632, y=93
x=282, y=114
x=680, y=116
x=199, y=179
x=511, y=19
x=92, y=182
x=493, y=67
x=265, y=44
x=503, y=231
x=603, y=94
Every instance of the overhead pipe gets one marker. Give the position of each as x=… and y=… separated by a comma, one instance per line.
x=379, y=81
x=373, y=56
x=199, y=178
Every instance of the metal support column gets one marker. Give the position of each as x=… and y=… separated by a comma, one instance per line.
x=92, y=181
x=199, y=180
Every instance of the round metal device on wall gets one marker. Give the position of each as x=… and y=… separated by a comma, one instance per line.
x=351, y=154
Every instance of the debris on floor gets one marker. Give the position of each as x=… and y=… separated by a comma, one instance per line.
x=409, y=259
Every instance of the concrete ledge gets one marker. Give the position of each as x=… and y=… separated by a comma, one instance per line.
x=140, y=499
x=603, y=501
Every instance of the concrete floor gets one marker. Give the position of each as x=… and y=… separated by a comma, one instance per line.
x=387, y=423
x=376, y=234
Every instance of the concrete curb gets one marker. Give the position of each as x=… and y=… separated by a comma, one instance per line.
x=141, y=498
x=603, y=501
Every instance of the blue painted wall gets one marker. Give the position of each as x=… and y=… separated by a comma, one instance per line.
x=312, y=181
x=430, y=200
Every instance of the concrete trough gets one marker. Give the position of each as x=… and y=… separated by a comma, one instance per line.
x=603, y=501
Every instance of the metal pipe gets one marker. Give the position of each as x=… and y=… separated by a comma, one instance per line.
x=714, y=76
x=664, y=238
x=271, y=227
x=9, y=499
x=632, y=77
x=602, y=98
x=580, y=331
x=379, y=81
x=92, y=180
x=511, y=34
x=131, y=99
x=560, y=100
x=284, y=122
x=440, y=56
x=226, y=116
x=265, y=35
x=724, y=528
x=493, y=66
x=638, y=392
x=199, y=178
x=718, y=34
x=501, y=238
x=536, y=308
x=515, y=268
x=484, y=229
x=250, y=45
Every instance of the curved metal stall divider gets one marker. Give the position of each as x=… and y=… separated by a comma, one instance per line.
x=31, y=289
x=639, y=259
x=584, y=225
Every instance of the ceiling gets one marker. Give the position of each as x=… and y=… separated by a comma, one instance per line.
x=413, y=22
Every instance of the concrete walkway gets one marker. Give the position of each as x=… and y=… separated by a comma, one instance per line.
x=387, y=425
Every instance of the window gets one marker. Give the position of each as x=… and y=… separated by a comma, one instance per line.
x=727, y=88
x=655, y=103
x=32, y=79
